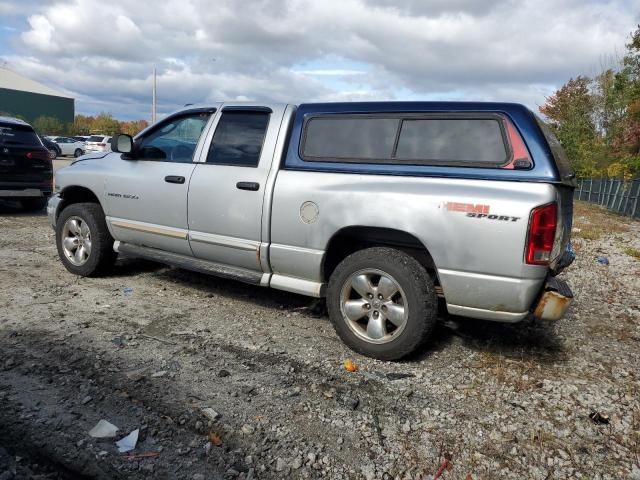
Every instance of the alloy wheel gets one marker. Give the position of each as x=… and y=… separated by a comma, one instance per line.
x=374, y=305
x=76, y=240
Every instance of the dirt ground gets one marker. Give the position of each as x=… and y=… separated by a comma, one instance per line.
x=152, y=347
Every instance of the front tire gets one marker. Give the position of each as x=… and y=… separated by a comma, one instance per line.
x=382, y=303
x=84, y=243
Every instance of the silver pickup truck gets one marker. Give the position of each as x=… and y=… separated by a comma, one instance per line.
x=393, y=211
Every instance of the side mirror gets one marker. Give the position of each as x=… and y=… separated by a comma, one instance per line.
x=122, y=143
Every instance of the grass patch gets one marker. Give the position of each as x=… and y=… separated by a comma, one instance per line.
x=520, y=374
x=591, y=222
x=633, y=252
x=621, y=329
x=592, y=233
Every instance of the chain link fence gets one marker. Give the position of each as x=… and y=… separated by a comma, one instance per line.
x=613, y=193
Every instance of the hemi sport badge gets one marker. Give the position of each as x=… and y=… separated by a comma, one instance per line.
x=466, y=207
x=478, y=211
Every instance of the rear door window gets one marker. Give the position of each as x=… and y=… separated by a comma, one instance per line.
x=12, y=134
x=238, y=138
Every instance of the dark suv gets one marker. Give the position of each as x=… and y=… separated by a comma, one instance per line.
x=26, y=171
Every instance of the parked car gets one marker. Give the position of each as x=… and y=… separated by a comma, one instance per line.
x=98, y=143
x=70, y=146
x=380, y=207
x=26, y=173
x=52, y=146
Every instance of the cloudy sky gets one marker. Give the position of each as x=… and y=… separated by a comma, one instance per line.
x=103, y=53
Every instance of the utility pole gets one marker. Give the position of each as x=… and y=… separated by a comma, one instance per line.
x=153, y=98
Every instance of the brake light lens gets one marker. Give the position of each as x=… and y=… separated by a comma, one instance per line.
x=542, y=233
x=38, y=155
x=102, y=144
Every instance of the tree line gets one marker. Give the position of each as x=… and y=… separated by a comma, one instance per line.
x=103, y=123
x=597, y=119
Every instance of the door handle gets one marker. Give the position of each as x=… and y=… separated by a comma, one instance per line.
x=174, y=179
x=253, y=186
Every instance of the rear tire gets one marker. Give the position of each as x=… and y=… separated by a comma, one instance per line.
x=382, y=303
x=84, y=243
x=34, y=204
x=77, y=153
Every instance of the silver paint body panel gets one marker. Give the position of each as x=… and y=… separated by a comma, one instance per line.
x=226, y=222
x=479, y=262
x=158, y=203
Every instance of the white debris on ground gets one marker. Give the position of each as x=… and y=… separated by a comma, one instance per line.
x=103, y=429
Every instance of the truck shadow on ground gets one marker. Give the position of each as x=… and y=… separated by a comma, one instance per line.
x=130, y=267
x=526, y=340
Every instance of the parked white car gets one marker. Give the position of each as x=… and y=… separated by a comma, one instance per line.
x=69, y=146
x=98, y=143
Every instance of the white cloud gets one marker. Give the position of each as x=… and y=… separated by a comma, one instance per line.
x=285, y=50
x=40, y=36
x=331, y=72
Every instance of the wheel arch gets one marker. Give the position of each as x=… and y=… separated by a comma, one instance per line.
x=350, y=239
x=76, y=194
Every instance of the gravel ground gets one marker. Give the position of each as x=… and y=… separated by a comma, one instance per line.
x=152, y=348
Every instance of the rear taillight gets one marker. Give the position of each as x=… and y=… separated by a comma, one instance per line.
x=102, y=144
x=542, y=233
x=38, y=155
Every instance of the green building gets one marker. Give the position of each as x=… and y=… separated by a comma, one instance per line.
x=28, y=99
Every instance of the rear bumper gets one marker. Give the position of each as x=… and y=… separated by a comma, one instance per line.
x=506, y=299
x=554, y=300
x=484, y=314
x=489, y=297
x=551, y=305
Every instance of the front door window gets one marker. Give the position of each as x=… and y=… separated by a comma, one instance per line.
x=175, y=140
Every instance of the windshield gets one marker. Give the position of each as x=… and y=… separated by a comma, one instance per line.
x=12, y=134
